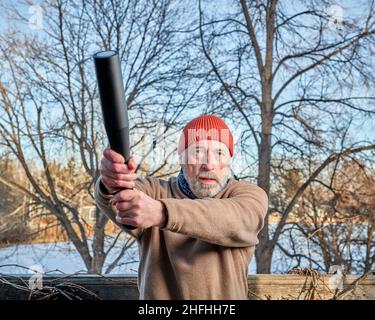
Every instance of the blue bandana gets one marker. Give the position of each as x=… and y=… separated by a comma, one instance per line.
x=184, y=186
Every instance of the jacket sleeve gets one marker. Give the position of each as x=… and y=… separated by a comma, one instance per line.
x=232, y=222
x=105, y=204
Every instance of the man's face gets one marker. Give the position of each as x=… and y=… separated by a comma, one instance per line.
x=206, y=167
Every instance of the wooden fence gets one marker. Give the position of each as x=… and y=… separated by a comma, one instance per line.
x=122, y=287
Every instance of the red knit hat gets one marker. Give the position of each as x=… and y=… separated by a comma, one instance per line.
x=206, y=127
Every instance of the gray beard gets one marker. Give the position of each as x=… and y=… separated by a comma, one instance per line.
x=201, y=190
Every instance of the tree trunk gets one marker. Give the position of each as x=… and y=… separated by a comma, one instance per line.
x=264, y=249
x=263, y=252
x=98, y=242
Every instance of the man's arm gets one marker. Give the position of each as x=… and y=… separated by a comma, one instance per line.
x=231, y=222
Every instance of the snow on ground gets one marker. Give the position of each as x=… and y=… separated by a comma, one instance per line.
x=59, y=258
x=63, y=258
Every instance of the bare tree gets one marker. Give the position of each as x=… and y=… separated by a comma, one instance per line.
x=50, y=109
x=333, y=223
x=13, y=216
x=294, y=79
x=292, y=75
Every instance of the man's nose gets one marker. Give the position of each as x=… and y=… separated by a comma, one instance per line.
x=210, y=162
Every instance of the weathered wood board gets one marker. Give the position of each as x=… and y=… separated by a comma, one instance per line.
x=122, y=287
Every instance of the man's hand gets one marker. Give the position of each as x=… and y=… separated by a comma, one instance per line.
x=115, y=173
x=138, y=209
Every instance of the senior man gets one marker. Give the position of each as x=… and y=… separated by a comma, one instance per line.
x=196, y=232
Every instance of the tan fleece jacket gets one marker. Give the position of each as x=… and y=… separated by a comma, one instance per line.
x=205, y=248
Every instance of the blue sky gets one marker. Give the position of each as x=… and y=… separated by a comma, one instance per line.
x=363, y=130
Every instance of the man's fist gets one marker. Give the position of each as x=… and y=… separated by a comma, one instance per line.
x=138, y=209
x=117, y=175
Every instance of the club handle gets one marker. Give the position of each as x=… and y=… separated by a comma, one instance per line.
x=113, y=102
